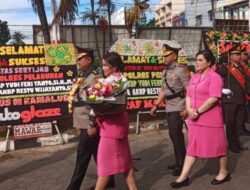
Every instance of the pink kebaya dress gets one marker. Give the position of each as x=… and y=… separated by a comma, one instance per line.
x=206, y=135
x=114, y=155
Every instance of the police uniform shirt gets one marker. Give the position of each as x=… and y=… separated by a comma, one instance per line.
x=81, y=110
x=89, y=76
x=231, y=83
x=178, y=80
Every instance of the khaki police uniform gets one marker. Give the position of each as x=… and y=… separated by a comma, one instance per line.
x=80, y=108
x=177, y=79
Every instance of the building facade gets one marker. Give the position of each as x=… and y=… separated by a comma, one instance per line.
x=198, y=13
x=170, y=13
x=232, y=9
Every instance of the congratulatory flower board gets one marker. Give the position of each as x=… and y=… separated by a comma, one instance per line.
x=34, y=82
x=143, y=61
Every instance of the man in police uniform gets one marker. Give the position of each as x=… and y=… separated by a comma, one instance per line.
x=174, y=82
x=89, y=139
x=244, y=64
x=233, y=98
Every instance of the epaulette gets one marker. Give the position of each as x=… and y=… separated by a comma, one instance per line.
x=180, y=66
x=95, y=72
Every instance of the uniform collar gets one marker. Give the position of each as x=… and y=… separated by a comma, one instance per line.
x=85, y=73
x=235, y=64
x=211, y=70
x=172, y=66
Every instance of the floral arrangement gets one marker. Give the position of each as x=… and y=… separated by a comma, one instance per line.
x=76, y=84
x=105, y=89
x=141, y=47
x=212, y=38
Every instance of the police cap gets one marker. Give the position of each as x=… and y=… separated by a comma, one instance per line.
x=244, y=49
x=82, y=52
x=235, y=49
x=171, y=47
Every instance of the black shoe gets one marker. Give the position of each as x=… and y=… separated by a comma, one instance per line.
x=234, y=149
x=172, y=166
x=241, y=147
x=242, y=133
x=180, y=184
x=217, y=182
x=245, y=132
x=176, y=171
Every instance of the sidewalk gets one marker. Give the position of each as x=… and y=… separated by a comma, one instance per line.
x=51, y=167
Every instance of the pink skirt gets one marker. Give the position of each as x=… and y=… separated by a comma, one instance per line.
x=113, y=156
x=206, y=142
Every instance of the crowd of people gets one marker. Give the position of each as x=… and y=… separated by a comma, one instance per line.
x=215, y=101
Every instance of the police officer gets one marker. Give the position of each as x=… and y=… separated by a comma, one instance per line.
x=174, y=83
x=244, y=64
x=89, y=139
x=233, y=98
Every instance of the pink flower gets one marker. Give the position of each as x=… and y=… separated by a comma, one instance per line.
x=211, y=34
x=223, y=35
x=101, y=90
x=108, y=90
x=141, y=52
x=235, y=35
x=96, y=92
x=90, y=91
x=245, y=35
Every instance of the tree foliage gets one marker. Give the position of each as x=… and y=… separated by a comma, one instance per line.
x=110, y=9
x=133, y=15
x=17, y=38
x=4, y=32
x=39, y=8
x=68, y=9
x=148, y=24
x=92, y=15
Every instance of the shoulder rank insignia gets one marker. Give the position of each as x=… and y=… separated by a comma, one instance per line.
x=95, y=72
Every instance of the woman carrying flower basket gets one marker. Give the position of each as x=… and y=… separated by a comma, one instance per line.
x=108, y=100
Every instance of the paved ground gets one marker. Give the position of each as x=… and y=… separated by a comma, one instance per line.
x=51, y=167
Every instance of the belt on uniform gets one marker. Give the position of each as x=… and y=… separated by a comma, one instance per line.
x=180, y=94
x=79, y=104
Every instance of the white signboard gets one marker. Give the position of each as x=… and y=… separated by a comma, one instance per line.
x=32, y=130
